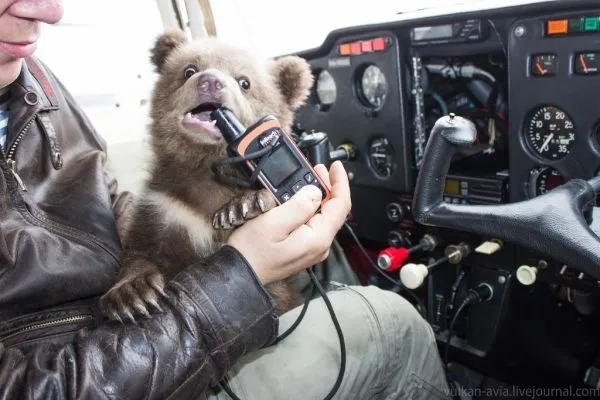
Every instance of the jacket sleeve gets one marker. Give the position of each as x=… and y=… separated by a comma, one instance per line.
x=178, y=353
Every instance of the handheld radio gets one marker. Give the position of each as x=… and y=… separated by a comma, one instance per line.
x=271, y=156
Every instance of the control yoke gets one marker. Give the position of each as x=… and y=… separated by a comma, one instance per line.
x=552, y=224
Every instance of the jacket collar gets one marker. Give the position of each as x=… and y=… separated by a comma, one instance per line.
x=27, y=98
x=41, y=97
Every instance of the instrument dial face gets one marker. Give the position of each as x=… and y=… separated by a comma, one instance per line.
x=544, y=65
x=587, y=63
x=550, y=133
x=326, y=88
x=373, y=86
x=544, y=179
x=381, y=157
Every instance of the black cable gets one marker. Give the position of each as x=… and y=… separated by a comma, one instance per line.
x=451, y=329
x=498, y=36
x=474, y=296
x=418, y=303
x=338, y=329
x=235, y=181
x=285, y=334
x=454, y=290
x=430, y=296
x=299, y=319
x=326, y=271
x=339, y=332
x=228, y=390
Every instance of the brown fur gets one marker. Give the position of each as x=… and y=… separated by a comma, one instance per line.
x=181, y=186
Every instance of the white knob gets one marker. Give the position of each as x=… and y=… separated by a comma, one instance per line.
x=526, y=274
x=413, y=275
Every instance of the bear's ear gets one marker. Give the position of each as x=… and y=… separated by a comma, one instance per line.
x=294, y=79
x=164, y=46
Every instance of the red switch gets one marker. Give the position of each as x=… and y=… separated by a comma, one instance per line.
x=392, y=258
x=366, y=46
x=379, y=44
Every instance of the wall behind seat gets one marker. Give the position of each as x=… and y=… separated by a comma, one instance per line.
x=100, y=52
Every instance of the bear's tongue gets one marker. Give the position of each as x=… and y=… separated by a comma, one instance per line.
x=200, y=122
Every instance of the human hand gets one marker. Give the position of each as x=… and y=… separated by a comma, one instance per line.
x=291, y=237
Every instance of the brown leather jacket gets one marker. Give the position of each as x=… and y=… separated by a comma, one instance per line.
x=59, y=251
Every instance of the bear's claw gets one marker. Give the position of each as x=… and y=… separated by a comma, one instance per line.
x=243, y=208
x=135, y=296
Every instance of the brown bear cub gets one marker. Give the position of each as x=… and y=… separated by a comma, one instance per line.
x=183, y=214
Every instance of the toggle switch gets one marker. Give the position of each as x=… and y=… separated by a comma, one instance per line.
x=489, y=247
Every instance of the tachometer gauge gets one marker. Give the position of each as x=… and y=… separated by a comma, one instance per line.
x=549, y=133
x=381, y=157
x=326, y=88
x=373, y=86
x=544, y=179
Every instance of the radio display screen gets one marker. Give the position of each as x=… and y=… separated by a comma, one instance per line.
x=432, y=32
x=452, y=187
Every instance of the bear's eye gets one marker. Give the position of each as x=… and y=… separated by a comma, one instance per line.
x=244, y=82
x=189, y=71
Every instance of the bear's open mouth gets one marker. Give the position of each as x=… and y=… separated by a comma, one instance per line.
x=203, y=111
x=199, y=119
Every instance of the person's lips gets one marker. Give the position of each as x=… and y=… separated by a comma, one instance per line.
x=18, y=50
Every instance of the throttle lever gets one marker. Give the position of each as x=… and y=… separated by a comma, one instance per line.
x=551, y=224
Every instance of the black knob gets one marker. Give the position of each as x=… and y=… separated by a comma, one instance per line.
x=399, y=239
x=395, y=212
x=315, y=146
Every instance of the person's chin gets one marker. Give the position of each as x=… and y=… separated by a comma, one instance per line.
x=18, y=50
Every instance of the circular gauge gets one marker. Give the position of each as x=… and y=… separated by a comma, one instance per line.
x=373, y=86
x=326, y=89
x=550, y=132
x=381, y=157
x=544, y=179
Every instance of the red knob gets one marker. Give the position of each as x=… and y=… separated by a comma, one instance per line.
x=392, y=258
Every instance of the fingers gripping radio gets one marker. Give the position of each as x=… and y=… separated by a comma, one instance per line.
x=269, y=155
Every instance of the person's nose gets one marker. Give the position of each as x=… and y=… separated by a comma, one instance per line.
x=48, y=11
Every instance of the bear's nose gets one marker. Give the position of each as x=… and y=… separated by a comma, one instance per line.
x=209, y=83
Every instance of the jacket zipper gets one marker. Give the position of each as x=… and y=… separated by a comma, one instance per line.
x=10, y=157
x=10, y=160
x=49, y=324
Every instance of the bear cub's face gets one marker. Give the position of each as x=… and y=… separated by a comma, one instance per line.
x=196, y=77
